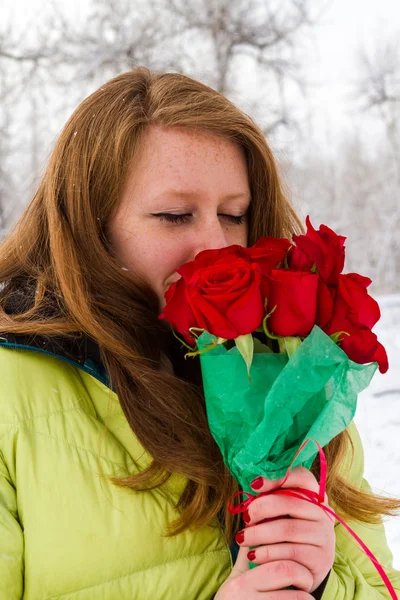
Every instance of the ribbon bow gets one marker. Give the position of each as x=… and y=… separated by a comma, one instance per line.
x=315, y=498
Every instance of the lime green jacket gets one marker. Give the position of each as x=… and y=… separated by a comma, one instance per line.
x=68, y=533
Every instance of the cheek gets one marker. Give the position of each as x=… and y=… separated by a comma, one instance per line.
x=148, y=253
x=239, y=236
x=156, y=261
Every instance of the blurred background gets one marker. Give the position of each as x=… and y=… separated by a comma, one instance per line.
x=321, y=78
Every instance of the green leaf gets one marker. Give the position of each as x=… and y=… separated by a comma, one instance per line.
x=335, y=337
x=265, y=328
x=193, y=330
x=245, y=345
x=181, y=340
x=202, y=351
x=260, y=348
x=216, y=341
x=285, y=261
x=289, y=344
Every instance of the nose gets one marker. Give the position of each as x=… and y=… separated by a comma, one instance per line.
x=210, y=235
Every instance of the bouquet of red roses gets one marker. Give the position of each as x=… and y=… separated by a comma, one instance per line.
x=285, y=343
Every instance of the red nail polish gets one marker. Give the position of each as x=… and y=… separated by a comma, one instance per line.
x=251, y=555
x=239, y=537
x=257, y=483
x=246, y=517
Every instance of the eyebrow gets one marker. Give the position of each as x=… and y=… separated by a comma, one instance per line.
x=193, y=194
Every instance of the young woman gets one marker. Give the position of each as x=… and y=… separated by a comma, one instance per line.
x=111, y=486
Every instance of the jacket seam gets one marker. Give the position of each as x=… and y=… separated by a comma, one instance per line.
x=14, y=427
x=124, y=466
x=134, y=573
x=78, y=405
x=22, y=421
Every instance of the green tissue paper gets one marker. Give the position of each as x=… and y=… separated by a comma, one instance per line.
x=259, y=424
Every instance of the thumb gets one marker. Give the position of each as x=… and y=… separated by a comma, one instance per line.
x=242, y=563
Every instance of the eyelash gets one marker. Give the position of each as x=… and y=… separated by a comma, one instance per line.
x=171, y=218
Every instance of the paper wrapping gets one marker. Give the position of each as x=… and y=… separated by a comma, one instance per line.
x=260, y=424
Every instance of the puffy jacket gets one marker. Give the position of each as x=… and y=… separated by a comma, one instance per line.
x=67, y=532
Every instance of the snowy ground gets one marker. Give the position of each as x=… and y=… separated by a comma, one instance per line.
x=378, y=419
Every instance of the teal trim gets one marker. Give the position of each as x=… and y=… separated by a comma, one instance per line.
x=234, y=551
x=88, y=367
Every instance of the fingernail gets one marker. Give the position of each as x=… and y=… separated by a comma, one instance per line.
x=246, y=517
x=251, y=555
x=239, y=537
x=257, y=483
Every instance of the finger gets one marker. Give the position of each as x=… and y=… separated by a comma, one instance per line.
x=278, y=505
x=241, y=563
x=286, y=595
x=304, y=554
x=299, y=477
x=239, y=589
x=282, y=530
x=277, y=576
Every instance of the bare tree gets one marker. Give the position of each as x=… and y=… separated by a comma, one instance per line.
x=378, y=92
x=356, y=193
x=379, y=82
x=378, y=89
x=15, y=65
x=6, y=179
x=233, y=45
x=24, y=114
x=114, y=36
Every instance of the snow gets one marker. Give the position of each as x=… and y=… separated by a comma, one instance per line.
x=378, y=419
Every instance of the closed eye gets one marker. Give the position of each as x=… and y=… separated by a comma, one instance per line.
x=184, y=218
x=171, y=218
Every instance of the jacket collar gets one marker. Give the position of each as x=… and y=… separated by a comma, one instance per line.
x=80, y=351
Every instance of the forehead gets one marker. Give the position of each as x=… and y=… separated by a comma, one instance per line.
x=189, y=144
x=188, y=156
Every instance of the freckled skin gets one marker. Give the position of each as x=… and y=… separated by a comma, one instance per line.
x=209, y=179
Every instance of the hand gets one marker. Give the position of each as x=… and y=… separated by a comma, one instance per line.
x=266, y=582
x=307, y=538
x=297, y=551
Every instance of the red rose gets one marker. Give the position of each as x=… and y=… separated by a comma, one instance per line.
x=177, y=310
x=353, y=289
x=355, y=313
x=219, y=291
x=294, y=293
x=362, y=346
x=268, y=253
x=325, y=298
x=324, y=248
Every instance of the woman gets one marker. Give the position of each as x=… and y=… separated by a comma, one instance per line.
x=111, y=485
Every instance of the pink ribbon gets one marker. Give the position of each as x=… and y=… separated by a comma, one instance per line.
x=314, y=498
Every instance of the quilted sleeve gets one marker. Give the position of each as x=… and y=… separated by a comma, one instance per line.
x=353, y=575
x=11, y=539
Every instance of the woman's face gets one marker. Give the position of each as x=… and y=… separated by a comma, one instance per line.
x=187, y=192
